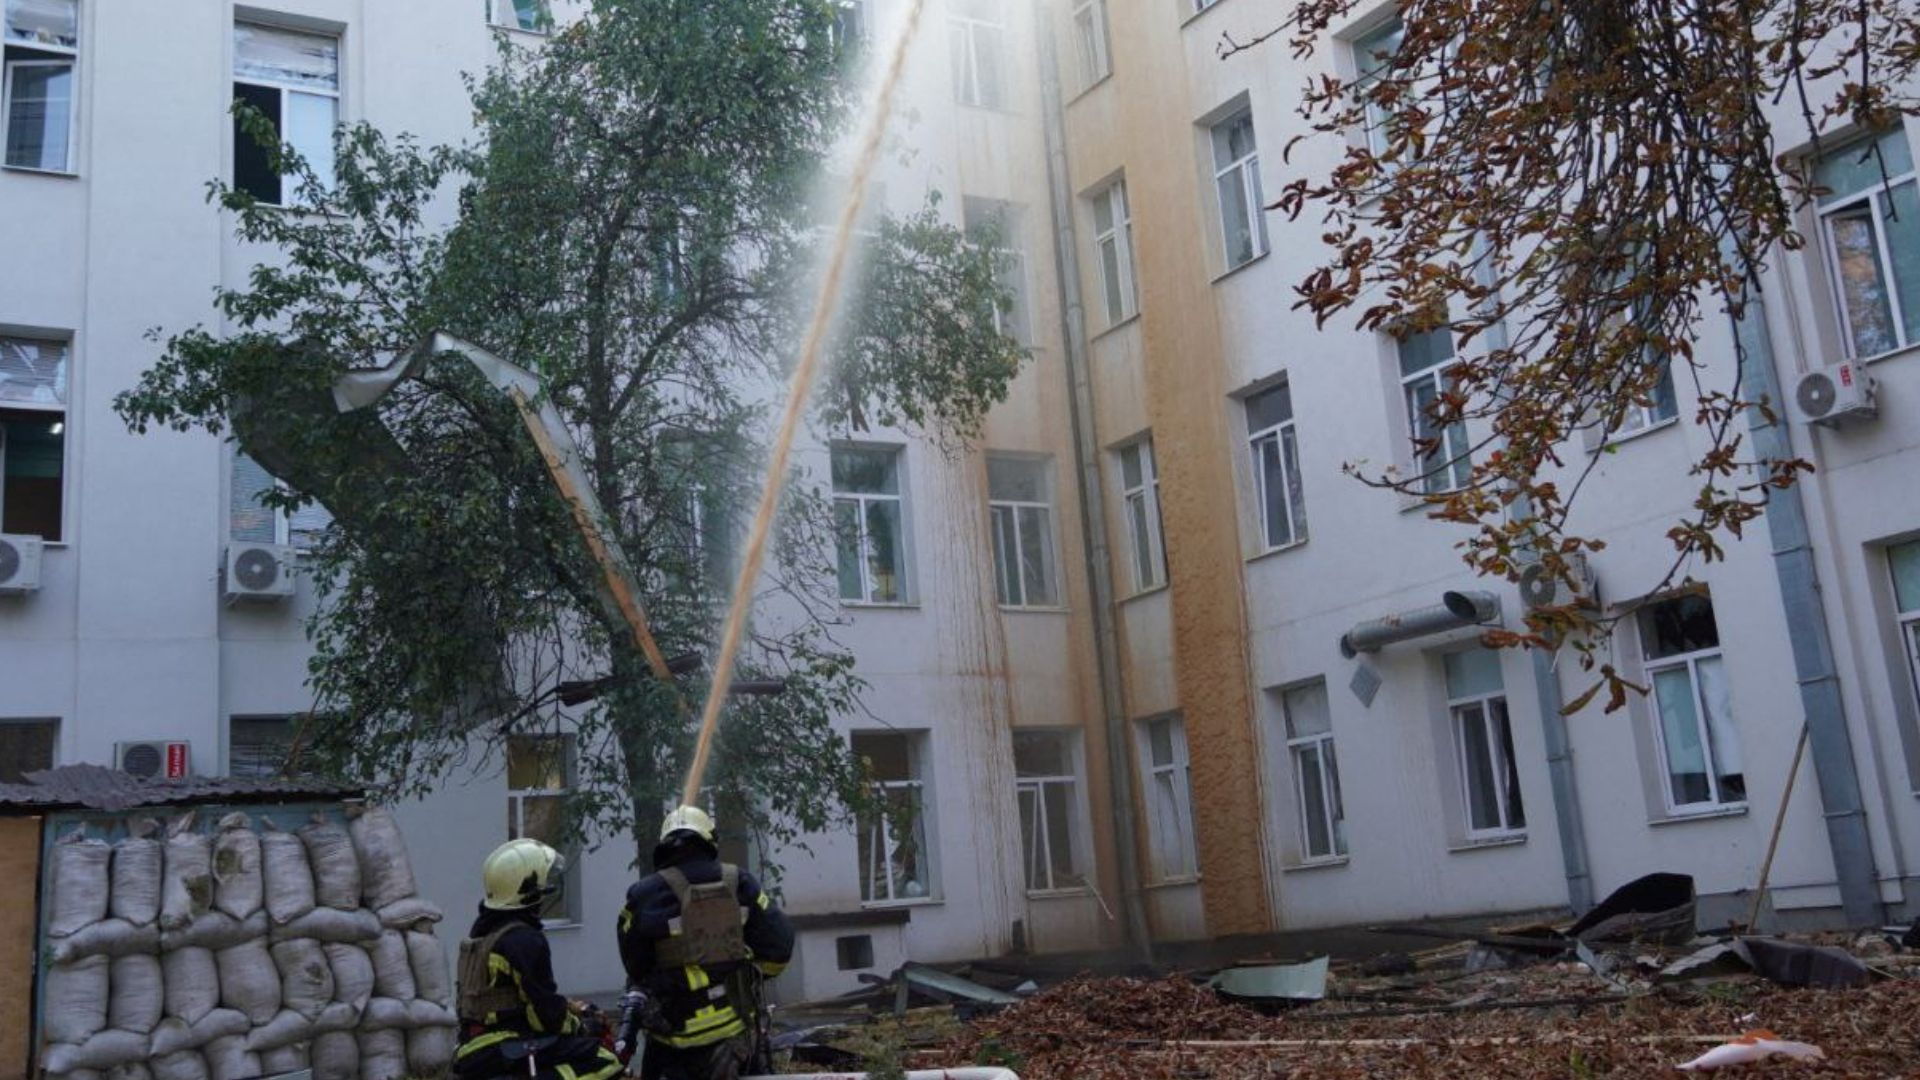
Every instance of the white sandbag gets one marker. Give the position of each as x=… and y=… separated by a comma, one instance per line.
x=192, y=983
x=215, y=930
x=103, y=1051
x=383, y=1013
x=336, y=1056
x=338, y=1016
x=74, y=1008
x=283, y=1030
x=229, y=1059
x=336, y=869
x=286, y=877
x=186, y=881
x=248, y=982
x=185, y=1065
x=423, y=1013
x=331, y=924
x=386, y=875
x=383, y=1055
x=431, y=979
x=78, y=1074
x=137, y=993
x=137, y=1070
x=430, y=1050
x=108, y=937
x=413, y=913
x=135, y=895
x=392, y=967
x=306, y=981
x=352, y=974
x=238, y=888
x=285, y=1059
x=80, y=882
x=171, y=1036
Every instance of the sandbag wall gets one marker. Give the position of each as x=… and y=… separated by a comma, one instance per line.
x=220, y=945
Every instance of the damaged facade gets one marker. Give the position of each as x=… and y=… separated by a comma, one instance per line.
x=1151, y=560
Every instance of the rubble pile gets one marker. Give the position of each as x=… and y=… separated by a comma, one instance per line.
x=239, y=951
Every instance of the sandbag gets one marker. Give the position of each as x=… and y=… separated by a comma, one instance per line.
x=135, y=892
x=392, y=967
x=430, y=1050
x=331, y=924
x=137, y=993
x=413, y=913
x=335, y=1056
x=287, y=879
x=431, y=980
x=80, y=882
x=383, y=1055
x=284, y=1059
x=238, y=888
x=75, y=1001
x=283, y=1030
x=108, y=937
x=336, y=869
x=104, y=1051
x=248, y=982
x=229, y=1059
x=192, y=983
x=386, y=875
x=383, y=1013
x=215, y=930
x=306, y=982
x=423, y=1013
x=78, y=1074
x=185, y=1065
x=186, y=881
x=172, y=1036
x=338, y=1016
x=137, y=1070
x=352, y=974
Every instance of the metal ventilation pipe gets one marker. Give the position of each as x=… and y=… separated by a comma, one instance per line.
x=1455, y=609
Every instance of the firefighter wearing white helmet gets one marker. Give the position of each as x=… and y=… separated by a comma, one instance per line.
x=513, y=1018
x=697, y=936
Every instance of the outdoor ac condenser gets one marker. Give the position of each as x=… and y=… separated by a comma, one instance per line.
x=1834, y=393
x=19, y=564
x=258, y=572
x=155, y=759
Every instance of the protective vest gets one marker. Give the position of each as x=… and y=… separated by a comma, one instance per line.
x=478, y=997
x=710, y=920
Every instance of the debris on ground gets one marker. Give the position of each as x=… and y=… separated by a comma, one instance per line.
x=1751, y=1047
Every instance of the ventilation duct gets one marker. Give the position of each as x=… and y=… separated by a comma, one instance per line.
x=1455, y=609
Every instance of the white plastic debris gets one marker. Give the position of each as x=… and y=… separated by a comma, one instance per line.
x=1756, y=1045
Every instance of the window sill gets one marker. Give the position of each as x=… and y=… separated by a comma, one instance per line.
x=889, y=905
x=1333, y=863
x=1890, y=354
x=28, y=170
x=1172, y=883
x=1033, y=609
x=880, y=605
x=1075, y=893
x=1482, y=843
x=1281, y=550
x=1232, y=270
x=1091, y=87
x=1122, y=324
x=1202, y=13
x=1143, y=593
x=502, y=28
x=1619, y=438
x=1681, y=817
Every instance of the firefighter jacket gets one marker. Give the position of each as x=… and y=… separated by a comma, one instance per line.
x=685, y=935
x=518, y=998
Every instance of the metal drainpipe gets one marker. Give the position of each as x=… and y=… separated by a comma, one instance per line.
x=1827, y=735
x=1093, y=515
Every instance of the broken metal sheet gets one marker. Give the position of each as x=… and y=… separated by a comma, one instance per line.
x=1715, y=961
x=1655, y=908
x=1792, y=964
x=922, y=977
x=1274, y=982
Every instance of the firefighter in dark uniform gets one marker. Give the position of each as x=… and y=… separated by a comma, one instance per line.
x=697, y=935
x=513, y=1020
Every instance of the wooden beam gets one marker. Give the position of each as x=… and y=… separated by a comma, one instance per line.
x=19, y=940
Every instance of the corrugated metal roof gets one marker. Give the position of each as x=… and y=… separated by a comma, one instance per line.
x=94, y=787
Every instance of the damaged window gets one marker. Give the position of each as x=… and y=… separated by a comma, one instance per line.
x=1020, y=504
x=1140, y=494
x=1698, y=743
x=1904, y=561
x=1483, y=744
x=1870, y=228
x=1276, y=467
x=869, y=518
x=1316, y=771
x=26, y=746
x=293, y=79
x=540, y=772
x=979, y=53
x=39, y=51
x=1047, y=784
x=1169, y=799
x=894, y=858
x=33, y=437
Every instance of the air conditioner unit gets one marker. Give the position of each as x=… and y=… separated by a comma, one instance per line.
x=258, y=572
x=1538, y=588
x=1834, y=393
x=159, y=759
x=19, y=564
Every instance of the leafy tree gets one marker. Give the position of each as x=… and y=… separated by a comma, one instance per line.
x=1567, y=190
x=632, y=223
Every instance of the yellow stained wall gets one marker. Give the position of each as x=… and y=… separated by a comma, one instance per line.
x=1138, y=121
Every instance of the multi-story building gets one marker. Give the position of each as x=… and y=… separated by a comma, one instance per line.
x=1104, y=644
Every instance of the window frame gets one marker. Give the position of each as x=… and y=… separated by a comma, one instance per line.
x=1036, y=785
x=574, y=913
x=1284, y=435
x=290, y=200
x=1119, y=234
x=54, y=723
x=862, y=500
x=63, y=409
x=1689, y=662
x=1169, y=839
x=1437, y=475
x=881, y=844
x=284, y=533
x=1245, y=171
x=1374, y=135
x=1869, y=196
x=545, y=14
x=1332, y=811
x=1458, y=710
x=968, y=86
x=1143, y=501
x=289, y=722
x=1092, y=43
x=7, y=68
x=1018, y=509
